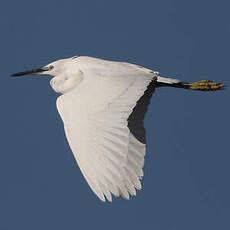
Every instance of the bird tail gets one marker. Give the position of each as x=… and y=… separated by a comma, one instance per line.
x=203, y=85
x=167, y=80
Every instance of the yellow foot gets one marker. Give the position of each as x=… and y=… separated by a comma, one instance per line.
x=205, y=85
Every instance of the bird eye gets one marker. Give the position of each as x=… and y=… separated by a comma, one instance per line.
x=51, y=67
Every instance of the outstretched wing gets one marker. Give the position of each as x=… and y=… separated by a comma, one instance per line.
x=95, y=118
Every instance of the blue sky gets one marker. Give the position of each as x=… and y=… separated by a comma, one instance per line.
x=186, y=182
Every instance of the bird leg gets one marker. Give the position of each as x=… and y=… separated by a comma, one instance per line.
x=204, y=85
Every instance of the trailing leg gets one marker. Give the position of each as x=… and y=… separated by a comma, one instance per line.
x=203, y=85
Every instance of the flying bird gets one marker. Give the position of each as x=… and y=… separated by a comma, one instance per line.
x=102, y=104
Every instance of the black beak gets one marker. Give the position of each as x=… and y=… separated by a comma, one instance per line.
x=33, y=71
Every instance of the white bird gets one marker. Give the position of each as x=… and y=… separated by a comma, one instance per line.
x=99, y=109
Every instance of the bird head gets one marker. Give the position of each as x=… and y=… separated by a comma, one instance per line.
x=52, y=69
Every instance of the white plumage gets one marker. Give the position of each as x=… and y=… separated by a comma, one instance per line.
x=98, y=97
x=95, y=117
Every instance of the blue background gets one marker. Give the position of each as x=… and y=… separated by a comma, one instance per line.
x=186, y=182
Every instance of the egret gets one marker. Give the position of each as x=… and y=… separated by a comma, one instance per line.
x=102, y=105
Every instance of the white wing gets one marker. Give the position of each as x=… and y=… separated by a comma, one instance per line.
x=95, y=120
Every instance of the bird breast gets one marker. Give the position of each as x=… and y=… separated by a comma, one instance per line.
x=64, y=83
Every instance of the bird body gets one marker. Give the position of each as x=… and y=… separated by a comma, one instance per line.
x=71, y=72
x=97, y=99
